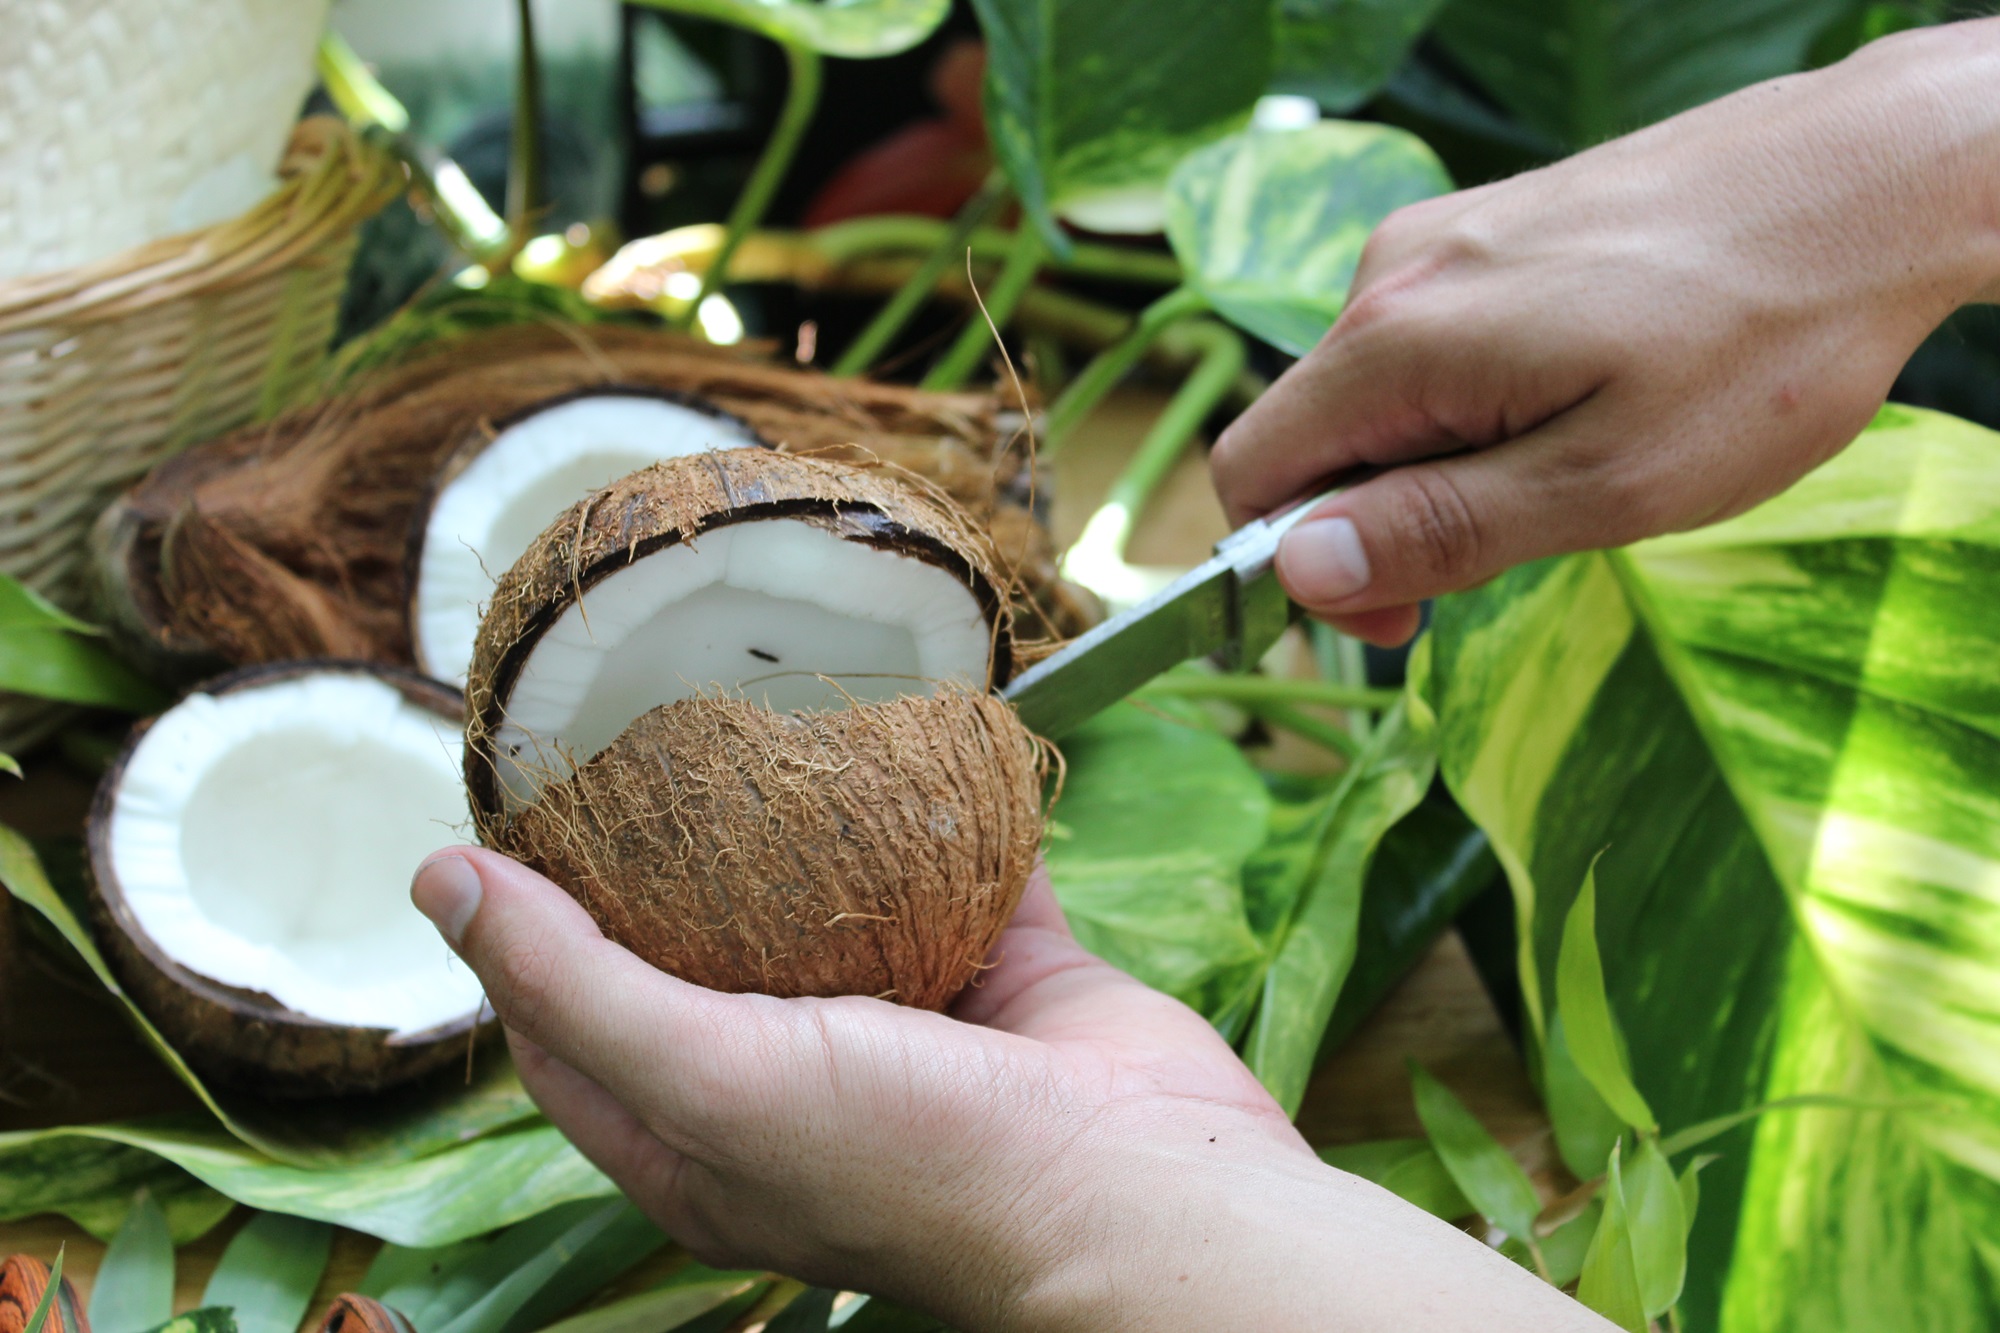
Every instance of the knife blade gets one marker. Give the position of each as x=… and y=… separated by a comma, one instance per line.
x=1229, y=607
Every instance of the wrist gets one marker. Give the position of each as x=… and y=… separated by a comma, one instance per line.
x=1933, y=85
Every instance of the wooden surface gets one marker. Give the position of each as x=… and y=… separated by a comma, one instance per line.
x=66, y=1056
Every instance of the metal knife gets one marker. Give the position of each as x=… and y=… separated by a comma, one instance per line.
x=1229, y=608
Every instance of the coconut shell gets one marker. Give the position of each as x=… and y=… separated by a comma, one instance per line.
x=24, y=1280
x=242, y=1038
x=875, y=851
x=677, y=500
x=295, y=538
x=355, y=1313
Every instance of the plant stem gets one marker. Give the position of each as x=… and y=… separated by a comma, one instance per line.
x=917, y=289
x=1252, y=690
x=524, y=164
x=1321, y=733
x=965, y=355
x=844, y=242
x=1111, y=365
x=472, y=228
x=801, y=101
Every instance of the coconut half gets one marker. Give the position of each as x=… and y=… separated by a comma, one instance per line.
x=496, y=494
x=738, y=705
x=251, y=853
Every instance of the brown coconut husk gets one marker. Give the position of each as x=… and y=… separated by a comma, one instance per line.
x=677, y=501
x=24, y=1280
x=242, y=1038
x=874, y=851
x=294, y=538
x=355, y=1313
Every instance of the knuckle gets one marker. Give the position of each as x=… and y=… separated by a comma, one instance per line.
x=520, y=981
x=1440, y=525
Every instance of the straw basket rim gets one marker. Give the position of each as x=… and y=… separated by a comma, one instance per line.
x=330, y=180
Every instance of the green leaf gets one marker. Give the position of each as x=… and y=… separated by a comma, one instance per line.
x=1156, y=821
x=1314, y=944
x=1408, y=1168
x=9, y=764
x=40, y=1314
x=1485, y=1171
x=1584, y=1123
x=1609, y=1282
x=212, y=1319
x=1565, y=1248
x=1784, y=731
x=1656, y=1217
x=1593, y=1037
x=462, y=1191
x=58, y=664
x=856, y=29
x=1269, y=224
x=22, y=608
x=270, y=1271
x=1339, y=52
x=134, y=1287
x=92, y=1183
x=426, y=1117
x=1090, y=105
x=808, y=1314
x=1690, y=1186
x=504, y=1288
x=691, y=1292
x=1585, y=70
x=629, y=1240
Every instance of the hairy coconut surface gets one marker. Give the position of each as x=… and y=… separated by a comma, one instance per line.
x=878, y=850
x=860, y=549
x=295, y=538
x=249, y=854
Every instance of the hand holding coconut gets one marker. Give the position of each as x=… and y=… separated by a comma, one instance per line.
x=1068, y=1149
x=1649, y=336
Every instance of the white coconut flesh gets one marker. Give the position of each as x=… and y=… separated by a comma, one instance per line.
x=779, y=611
x=492, y=511
x=265, y=838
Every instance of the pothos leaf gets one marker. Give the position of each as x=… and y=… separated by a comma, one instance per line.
x=1657, y=1219
x=1090, y=105
x=856, y=29
x=269, y=1272
x=134, y=1287
x=1594, y=1041
x=1780, y=728
x=1485, y=1171
x=1269, y=224
x=1339, y=52
x=1314, y=944
x=1408, y=1168
x=1584, y=1123
x=1150, y=871
x=210, y=1319
x=1609, y=1282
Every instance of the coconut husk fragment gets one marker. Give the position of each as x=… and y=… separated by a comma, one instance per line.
x=24, y=1280
x=878, y=850
x=355, y=1313
x=295, y=538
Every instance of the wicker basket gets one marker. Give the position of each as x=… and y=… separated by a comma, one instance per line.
x=108, y=367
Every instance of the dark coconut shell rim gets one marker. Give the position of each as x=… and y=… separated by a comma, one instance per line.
x=881, y=532
x=477, y=437
x=432, y=695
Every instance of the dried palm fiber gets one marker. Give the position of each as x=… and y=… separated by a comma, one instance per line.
x=107, y=368
x=876, y=849
x=120, y=124
x=298, y=538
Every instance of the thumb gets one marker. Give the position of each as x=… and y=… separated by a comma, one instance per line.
x=1366, y=557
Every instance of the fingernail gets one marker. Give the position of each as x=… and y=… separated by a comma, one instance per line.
x=447, y=890
x=1322, y=560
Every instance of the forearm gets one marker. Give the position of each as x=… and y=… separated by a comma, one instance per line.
x=1284, y=1243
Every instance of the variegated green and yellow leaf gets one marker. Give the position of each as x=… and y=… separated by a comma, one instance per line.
x=1785, y=733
